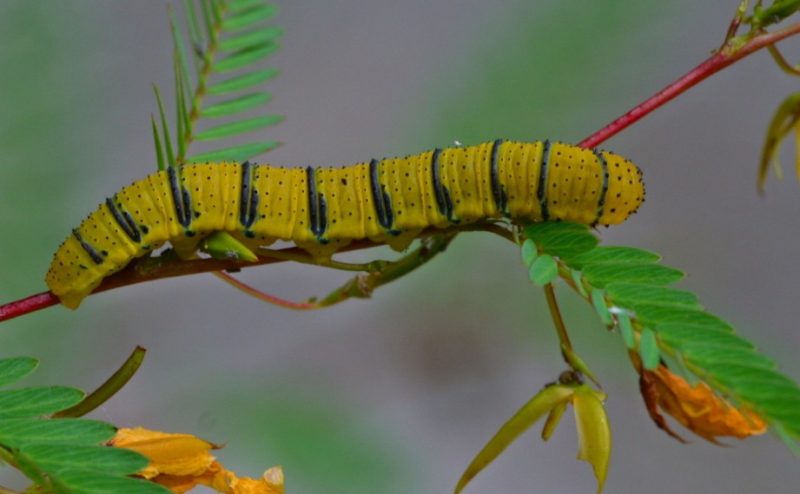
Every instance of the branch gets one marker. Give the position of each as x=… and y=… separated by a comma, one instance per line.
x=721, y=59
x=155, y=268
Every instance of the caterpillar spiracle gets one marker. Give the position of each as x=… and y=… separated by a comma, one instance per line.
x=323, y=209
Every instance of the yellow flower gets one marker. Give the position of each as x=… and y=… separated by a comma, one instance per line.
x=180, y=462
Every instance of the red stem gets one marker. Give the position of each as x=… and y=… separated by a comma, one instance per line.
x=724, y=57
x=710, y=66
x=28, y=304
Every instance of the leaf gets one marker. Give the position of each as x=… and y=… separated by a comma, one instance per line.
x=249, y=16
x=35, y=401
x=600, y=275
x=92, y=482
x=561, y=239
x=544, y=401
x=56, y=457
x=160, y=160
x=648, y=349
x=655, y=315
x=594, y=432
x=235, y=105
x=613, y=254
x=599, y=303
x=242, y=82
x=537, y=231
x=629, y=294
x=680, y=335
x=239, y=5
x=529, y=252
x=14, y=369
x=577, y=278
x=543, y=270
x=238, y=127
x=626, y=330
x=708, y=354
x=18, y=432
x=251, y=38
x=236, y=153
x=165, y=129
x=245, y=57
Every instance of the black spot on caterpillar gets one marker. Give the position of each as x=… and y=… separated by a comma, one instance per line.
x=322, y=209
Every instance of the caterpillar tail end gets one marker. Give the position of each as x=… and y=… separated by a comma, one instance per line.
x=71, y=299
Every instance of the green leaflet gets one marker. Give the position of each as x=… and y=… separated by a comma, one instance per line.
x=249, y=16
x=234, y=153
x=239, y=5
x=249, y=39
x=18, y=432
x=529, y=252
x=92, y=482
x=543, y=270
x=599, y=303
x=635, y=287
x=601, y=275
x=561, y=241
x=53, y=458
x=245, y=56
x=631, y=294
x=170, y=151
x=613, y=254
x=235, y=105
x=683, y=335
x=238, y=127
x=35, y=401
x=626, y=330
x=648, y=349
x=242, y=82
x=14, y=369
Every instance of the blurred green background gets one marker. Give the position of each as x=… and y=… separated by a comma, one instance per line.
x=397, y=393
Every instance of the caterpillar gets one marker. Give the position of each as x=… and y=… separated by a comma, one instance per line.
x=323, y=209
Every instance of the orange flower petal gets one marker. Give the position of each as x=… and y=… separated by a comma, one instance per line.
x=169, y=453
x=698, y=408
x=181, y=462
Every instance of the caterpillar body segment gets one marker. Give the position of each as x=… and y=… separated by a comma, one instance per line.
x=323, y=209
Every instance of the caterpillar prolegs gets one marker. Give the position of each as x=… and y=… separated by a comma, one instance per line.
x=321, y=210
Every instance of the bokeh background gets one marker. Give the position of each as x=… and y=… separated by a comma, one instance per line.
x=397, y=393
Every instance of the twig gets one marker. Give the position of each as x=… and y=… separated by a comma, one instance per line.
x=710, y=66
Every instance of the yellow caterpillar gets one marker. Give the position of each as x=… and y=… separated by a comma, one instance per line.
x=322, y=209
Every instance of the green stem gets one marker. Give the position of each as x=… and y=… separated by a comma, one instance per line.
x=558, y=321
x=109, y=388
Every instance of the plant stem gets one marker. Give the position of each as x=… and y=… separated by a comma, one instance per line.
x=109, y=388
x=558, y=321
x=154, y=268
x=710, y=66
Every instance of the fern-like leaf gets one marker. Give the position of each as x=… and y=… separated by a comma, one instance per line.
x=61, y=455
x=658, y=321
x=229, y=40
